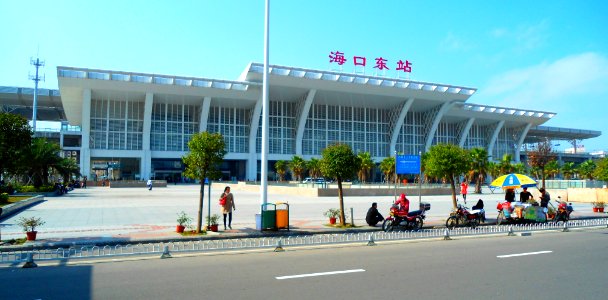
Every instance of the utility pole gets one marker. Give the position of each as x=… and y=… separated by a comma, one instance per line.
x=36, y=63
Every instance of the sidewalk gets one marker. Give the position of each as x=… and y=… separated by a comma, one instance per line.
x=134, y=215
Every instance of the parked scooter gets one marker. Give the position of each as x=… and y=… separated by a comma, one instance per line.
x=412, y=221
x=463, y=217
x=563, y=211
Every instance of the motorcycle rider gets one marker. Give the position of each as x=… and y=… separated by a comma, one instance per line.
x=404, y=205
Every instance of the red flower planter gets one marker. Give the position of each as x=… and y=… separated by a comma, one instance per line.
x=596, y=209
x=601, y=209
x=332, y=221
x=31, y=235
x=179, y=228
x=213, y=228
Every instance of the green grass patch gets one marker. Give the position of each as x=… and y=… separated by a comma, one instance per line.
x=346, y=226
x=192, y=233
x=16, y=241
x=13, y=199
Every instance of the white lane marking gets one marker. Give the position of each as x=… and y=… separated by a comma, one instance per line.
x=524, y=254
x=319, y=274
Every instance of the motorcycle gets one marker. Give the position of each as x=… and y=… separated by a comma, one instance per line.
x=463, y=217
x=412, y=221
x=563, y=211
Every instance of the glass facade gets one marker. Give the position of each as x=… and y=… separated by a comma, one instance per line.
x=116, y=124
x=363, y=129
x=233, y=123
x=411, y=136
x=173, y=125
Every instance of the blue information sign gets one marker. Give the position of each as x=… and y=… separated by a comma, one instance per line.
x=408, y=164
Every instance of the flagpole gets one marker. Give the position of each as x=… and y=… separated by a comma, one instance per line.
x=265, y=105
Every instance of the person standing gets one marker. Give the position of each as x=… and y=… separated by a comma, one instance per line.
x=524, y=196
x=373, y=216
x=510, y=195
x=544, y=197
x=149, y=184
x=464, y=188
x=228, y=206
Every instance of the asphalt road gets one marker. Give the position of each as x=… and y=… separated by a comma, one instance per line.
x=569, y=265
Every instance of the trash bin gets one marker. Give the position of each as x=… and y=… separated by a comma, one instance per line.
x=283, y=216
x=269, y=216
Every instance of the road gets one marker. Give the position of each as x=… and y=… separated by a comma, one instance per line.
x=556, y=265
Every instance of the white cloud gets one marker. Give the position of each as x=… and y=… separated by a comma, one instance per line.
x=541, y=85
x=454, y=43
x=524, y=37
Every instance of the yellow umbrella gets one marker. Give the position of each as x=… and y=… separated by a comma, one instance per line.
x=513, y=181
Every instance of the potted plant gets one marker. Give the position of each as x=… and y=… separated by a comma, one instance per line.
x=29, y=226
x=183, y=220
x=212, y=221
x=550, y=212
x=598, y=206
x=332, y=214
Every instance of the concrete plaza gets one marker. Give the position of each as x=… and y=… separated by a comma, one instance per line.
x=99, y=214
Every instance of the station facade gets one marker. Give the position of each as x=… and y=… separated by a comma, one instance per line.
x=137, y=126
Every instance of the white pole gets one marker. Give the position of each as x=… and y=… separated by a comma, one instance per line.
x=36, y=79
x=265, y=105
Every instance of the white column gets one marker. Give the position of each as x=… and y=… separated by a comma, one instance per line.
x=145, y=164
x=465, y=132
x=302, y=120
x=252, y=161
x=85, y=152
x=204, y=114
x=492, y=142
x=399, y=123
x=431, y=134
x=520, y=141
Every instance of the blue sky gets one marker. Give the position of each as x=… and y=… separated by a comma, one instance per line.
x=538, y=55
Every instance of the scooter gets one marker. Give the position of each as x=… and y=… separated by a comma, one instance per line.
x=463, y=217
x=563, y=211
x=412, y=221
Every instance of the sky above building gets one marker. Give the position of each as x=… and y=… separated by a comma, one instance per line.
x=538, y=55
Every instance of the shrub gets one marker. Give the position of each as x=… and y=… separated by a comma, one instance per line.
x=4, y=197
x=32, y=189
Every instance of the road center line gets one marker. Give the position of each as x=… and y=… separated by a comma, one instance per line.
x=319, y=274
x=523, y=254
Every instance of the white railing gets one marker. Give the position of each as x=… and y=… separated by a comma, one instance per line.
x=297, y=240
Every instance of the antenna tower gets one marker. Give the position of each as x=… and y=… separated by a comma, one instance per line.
x=36, y=63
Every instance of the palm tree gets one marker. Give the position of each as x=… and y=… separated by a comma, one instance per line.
x=493, y=169
x=66, y=168
x=367, y=164
x=505, y=164
x=42, y=157
x=520, y=168
x=387, y=166
x=281, y=168
x=552, y=168
x=479, y=167
x=568, y=170
x=297, y=165
x=314, y=167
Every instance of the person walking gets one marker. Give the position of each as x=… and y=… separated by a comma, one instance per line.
x=149, y=184
x=228, y=206
x=464, y=189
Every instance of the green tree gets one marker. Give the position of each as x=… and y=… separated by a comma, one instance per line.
x=314, y=167
x=15, y=141
x=493, y=169
x=586, y=169
x=297, y=165
x=367, y=164
x=340, y=163
x=42, y=157
x=568, y=169
x=207, y=152
x=447, y=161
x=281, y=168
x=540, y=157
x=601, y=170
x=519, y=168
x=479, y=167
x=387, y=167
